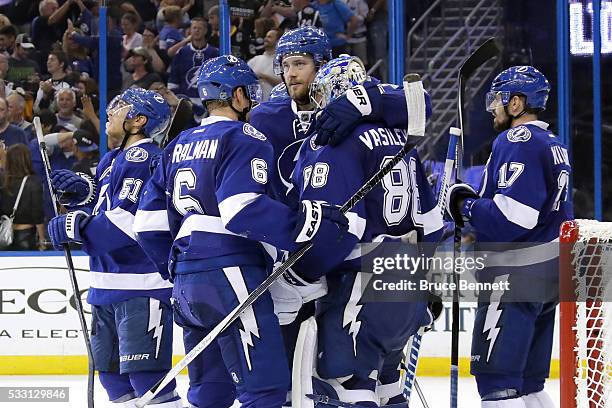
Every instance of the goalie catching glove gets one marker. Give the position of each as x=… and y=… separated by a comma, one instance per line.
x=74, y=189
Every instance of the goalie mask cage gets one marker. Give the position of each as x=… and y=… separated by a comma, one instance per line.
x=586, y=314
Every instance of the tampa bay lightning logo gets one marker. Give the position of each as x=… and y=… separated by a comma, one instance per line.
x=251, y=131
x=519, y=134
x=136, y=155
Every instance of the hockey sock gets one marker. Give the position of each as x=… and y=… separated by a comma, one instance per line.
x=211, y=394
x=538, y=399
x=117, y=386
x=263, y=399
x=142, y=381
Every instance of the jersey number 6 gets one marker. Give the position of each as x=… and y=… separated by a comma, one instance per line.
x=185, y=178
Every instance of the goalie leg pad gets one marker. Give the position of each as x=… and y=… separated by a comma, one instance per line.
x=304, y=360
x=508, y=403
x=538, y=399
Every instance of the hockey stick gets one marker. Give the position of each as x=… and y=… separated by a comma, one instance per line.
x=71, y=270
x=413, y=356
x=180, y=118
x=293, y=258
x=488, y=50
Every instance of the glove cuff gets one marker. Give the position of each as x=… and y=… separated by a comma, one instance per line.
x=358, y=97
x=73, y=221
x=313, y=213
x=92, y=189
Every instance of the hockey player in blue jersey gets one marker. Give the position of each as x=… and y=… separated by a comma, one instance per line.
x=360, y=342
x=523, y=198
x=131, y=313
x=206, y=208
x=287, y=122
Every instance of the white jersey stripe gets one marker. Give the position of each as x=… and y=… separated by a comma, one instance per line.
x=122, y=219
x=151, y=221
x=202, y=223
x=128, y=281
x=517, y=212
x=231, y=206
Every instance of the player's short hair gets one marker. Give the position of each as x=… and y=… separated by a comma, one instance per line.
x=218, y=104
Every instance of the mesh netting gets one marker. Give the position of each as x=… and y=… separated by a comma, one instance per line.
x=592, y=271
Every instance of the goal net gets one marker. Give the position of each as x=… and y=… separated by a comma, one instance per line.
x=586, y=314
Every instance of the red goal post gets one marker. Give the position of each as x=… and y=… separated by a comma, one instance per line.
x=586, y=314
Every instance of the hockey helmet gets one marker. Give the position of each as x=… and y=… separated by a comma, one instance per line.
x=219, y=77
x=279, y=92
x=307, y=40
x=139, y=101
x=518, y=80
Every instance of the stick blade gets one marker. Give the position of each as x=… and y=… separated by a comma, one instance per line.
x=181, y=117
x=489, y=49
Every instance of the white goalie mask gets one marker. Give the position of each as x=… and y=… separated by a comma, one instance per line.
x=335, y=78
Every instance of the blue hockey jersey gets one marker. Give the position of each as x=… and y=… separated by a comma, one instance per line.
x=119, y=268
x=524, y=201
x=185, y=68
x=286, y=128
x=524, y=188
x=401, y=203
x=207, y=199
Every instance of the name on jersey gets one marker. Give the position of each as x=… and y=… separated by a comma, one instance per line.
x=202, y=149
x=560, y=155
x=383, y=137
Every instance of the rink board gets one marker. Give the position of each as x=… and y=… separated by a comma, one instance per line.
x=40, y=332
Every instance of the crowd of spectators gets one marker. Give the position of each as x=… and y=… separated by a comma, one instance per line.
x=49, y=61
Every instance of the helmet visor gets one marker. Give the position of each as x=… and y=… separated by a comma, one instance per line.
x=118, y=107
x=255, y=93
x=496, y=99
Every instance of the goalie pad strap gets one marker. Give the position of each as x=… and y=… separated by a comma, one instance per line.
x=389, y=390
x=352, y=395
